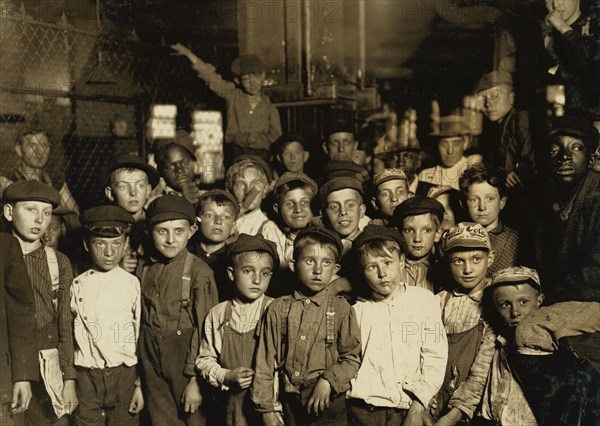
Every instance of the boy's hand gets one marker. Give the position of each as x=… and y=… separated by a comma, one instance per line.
x=181, y=50
x=129, y=262
x=513, y=179
x=340, y=285
x=190, y=191
x=191, y=398
x=450, y=419
x=273, y=419
x=137, y=401
x=69, y=395
x=417, y=416
x=240, y=377
x=21, y=396
x=556, y=21
x=319, y=400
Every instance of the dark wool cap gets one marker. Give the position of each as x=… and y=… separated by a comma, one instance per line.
x=170, y=207
x=415, y=206
x=31, y=190
x=577, y=127
x=258, y=162
x=106, y=216
x=247, y=64
x=182, y=139
x=342, y=168
x=376, y=232
x=247, y=242
x=218, y=193
x=287, y=138
x=288, y=177
x=339, y=126
x=337, y=184
x=136, y=162
x=493, y=79
x=332, y=236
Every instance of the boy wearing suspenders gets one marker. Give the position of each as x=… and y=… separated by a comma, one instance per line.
x=178, y=290
x=29, y=207
x=311, y=339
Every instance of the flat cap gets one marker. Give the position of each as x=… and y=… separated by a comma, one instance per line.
x=247, y=242
x=258, y=162
x=182, y=139
x=415, y=206
x=315, y=230
x=492, y=79
x=451, y=126
x=339, y=126
x=515, y=275
x=170, y=207
x=31, y=190
x=106, y=217
x=136, y=162
x=436, y=191
x=376, y=232
x=288, y=177
x=247, y=64
x=577, y=127
x=466, y=235
x=387, y=175
x=218, y=194
x=343, y=168
x=339, y=183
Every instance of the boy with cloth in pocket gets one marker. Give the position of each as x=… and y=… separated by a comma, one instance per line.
x=106, y=309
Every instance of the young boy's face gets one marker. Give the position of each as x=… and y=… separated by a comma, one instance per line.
x=293, y=157
x=484, y=203
x=344, y=210
x=106, y=252
x=30, y=219
x=251, y=273
x=252, y=83
x=383, y=274
x=129, y=189
x=449, y=219
x=451, y=150
x=34, y=150
x=295, y=208
x=171, y=237
x=250, y=178
x=569, y=159
x=216, y=221
x=514, y=302
x=469, y=267
x=56, y=230
x=420, y=233
x=498, y=101
x=566, y=8
x=340, y=146
x=409, y=162
x=315, y=266
x=177, y=167
x=389, y=195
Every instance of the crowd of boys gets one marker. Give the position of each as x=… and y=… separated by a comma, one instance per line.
x=278, y=300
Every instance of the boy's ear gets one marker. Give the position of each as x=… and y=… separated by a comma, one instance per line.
x=306, y=156
x=236, y=80
x=540, y=299
x=193, y=229
x=230, y=272
x=292, y=264
x=491, y=257
x=109, y=194
x=465, y=142
x=438, y=234
x=85, y=245
x=363, y=210
x=63, y=230
x=336, y=268
x=511, y=97
x=276, y=208
x=19, y=149
x=8, y=212
x=374, y=203
x=325, y=148
x=502, y=202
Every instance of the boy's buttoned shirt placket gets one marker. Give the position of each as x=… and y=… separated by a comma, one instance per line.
x=460, y=311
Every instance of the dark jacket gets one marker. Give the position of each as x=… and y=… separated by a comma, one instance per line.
x=19, y=359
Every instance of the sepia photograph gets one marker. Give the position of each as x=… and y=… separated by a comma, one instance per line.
x=300, y=212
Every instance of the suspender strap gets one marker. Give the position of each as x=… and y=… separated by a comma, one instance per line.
x=54, y=273
x=186, y=280
x=285, y=312
x=262, y=225
x=330, y=321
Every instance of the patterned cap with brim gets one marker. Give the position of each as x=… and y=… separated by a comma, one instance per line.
x=466, y=235
x=387, y=175
x=516, y=275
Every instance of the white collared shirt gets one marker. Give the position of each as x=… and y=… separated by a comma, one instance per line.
x=445, y=176
x=404, y=349
x=107, y=309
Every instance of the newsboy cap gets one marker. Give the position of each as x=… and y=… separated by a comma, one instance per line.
x=328, y=234
x=466, y=235
x=415, y=206
x=288, y=177
x=374, y=233
x=339, y=183
x=135, y=162
x=493, y=79
x=106, y=216
x=247, y=242
x=515, y=275
x=247, y=64
x=31, y=190
x=170, y=207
